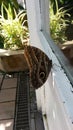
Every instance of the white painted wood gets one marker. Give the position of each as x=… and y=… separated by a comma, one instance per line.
x=54, y=98
x=32, y=21
x=44, y=12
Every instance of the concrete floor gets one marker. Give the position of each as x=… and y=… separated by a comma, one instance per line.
x=7, y=106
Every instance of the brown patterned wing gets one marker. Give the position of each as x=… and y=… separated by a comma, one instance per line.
x=39, y=65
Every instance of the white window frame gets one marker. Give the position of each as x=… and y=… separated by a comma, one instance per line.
x=58, y=100
x=62, y=59
x=43, y=28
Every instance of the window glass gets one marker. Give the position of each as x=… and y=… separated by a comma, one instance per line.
x=61, y=26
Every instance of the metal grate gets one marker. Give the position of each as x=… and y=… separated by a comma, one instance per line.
x=20, y=106
x=21, y=120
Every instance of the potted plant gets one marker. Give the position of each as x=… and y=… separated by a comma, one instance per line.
x=58, y=22
x=12, y=28
x=14, y=36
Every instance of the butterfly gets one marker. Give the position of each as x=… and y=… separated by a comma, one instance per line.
x=39, y=65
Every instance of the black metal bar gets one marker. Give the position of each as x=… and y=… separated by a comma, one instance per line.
x=2, y=81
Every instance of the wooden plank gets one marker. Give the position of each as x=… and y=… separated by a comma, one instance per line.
x=6, y=124
x=7, y=95
x=7, y=110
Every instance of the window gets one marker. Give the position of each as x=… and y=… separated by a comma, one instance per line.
x=61, y=53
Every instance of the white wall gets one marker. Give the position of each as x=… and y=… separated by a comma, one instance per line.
x=54, y=98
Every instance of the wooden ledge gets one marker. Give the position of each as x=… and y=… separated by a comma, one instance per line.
x=4, y=52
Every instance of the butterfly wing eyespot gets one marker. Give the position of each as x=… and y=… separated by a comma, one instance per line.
x=39, y=65
x=42, y=75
